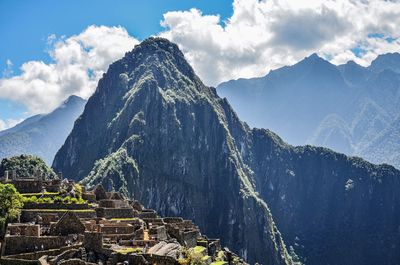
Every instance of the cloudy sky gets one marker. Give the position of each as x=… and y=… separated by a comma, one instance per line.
x=52, y=49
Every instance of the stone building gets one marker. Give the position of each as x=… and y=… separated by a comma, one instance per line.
x=110, y=230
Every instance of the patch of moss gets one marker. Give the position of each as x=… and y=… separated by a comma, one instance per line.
x=219, y=263
x=129, y=250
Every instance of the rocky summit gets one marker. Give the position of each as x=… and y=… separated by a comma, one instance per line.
x=154, y=132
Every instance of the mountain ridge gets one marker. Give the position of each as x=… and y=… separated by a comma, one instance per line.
x=43, y=134
x=154, y=132
x=298, y=110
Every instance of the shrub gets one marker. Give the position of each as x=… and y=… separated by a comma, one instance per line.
x=44, y=200
x=78, y=189
x=194, y=257
x=58, y=199
x=31, y=199
x=67, y=199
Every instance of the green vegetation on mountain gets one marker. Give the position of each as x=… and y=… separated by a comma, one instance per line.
x=26, y=166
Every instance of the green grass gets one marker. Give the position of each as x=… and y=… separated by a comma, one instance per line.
x=205, y=258
x=219, y=263
x=199, y=249
x=129, y=250
x=38, y=194
x=60, y=210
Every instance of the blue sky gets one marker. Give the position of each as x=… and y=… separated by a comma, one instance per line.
x=221, y=39
x=25, y=26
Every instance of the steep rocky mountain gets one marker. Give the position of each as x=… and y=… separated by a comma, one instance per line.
x=42, y=135
x=154, y=132
x=314, y=102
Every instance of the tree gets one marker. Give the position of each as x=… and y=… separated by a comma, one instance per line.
x=11, y=202
x=10, y=205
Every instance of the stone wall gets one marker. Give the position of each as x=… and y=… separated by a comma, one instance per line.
x=75, y=262
x=115, y=212
x=48, y=218
x=29, y=215
x=13, y=261
x=173, y=220
x=24, y=229
x=137, y=206
x=28, y=185
x=23, y=244
x=68, y=224
x=189, y=238
x=70, y=206
x=116, y=228
x=89, y=196
x=158, y=232
x=147, y=214
x=153, y=221
x=93, y=241
x=113, y=203
x=38, y=254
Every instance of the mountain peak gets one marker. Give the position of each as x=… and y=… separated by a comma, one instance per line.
x=163, y=51
x=314, y=57
x=73, y=99
x=386, y=61
x=158, y=60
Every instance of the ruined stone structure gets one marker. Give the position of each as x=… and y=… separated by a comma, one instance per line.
x=31, y=184
x=109, y=230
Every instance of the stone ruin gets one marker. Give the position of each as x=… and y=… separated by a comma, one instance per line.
x=109, y=230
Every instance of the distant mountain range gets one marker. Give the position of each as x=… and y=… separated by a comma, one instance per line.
x=153, y=131
x=43, y=134
x=349, y=108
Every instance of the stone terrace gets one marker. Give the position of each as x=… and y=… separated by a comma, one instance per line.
x=104, y=229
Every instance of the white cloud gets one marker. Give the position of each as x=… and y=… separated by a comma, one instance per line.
x=263, y=35
x=8, y=123
x=77, y=64
x=259, y=36
x=8, y=71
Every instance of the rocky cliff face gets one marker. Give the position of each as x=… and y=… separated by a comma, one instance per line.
x=153, y=131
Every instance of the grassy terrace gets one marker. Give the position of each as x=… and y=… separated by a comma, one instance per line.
x=38, y=194
x=219, y=263
x=123, y=219
x=129, y=250
x=60, y=210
